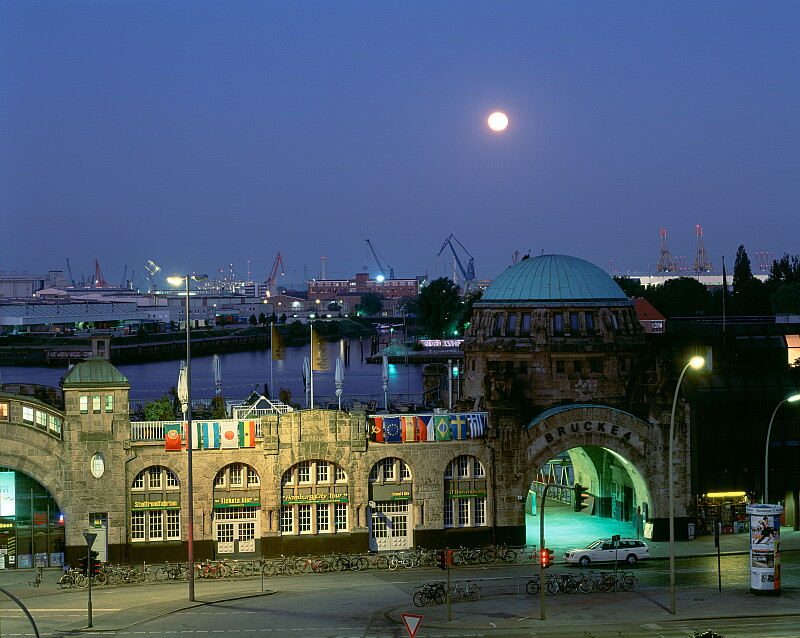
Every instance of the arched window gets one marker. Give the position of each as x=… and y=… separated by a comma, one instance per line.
x=315, y=499
x=155, y=505
x=390, y=470
x=465, y=493
x=237, y=476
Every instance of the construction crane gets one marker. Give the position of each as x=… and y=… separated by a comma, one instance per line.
x=468, y=274
x=273, y=275
x=69, y=270
x=386, y=271
x=124, y=283
x=152, y=269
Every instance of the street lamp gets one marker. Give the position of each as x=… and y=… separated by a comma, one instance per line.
x=791, y=399
x=177, y=281
x=695, y=363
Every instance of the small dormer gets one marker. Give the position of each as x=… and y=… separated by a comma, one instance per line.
x=96, y=399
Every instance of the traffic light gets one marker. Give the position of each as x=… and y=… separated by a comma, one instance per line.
x=441, y=560
x=96, y=567
x=82, y=565
x=546, y=557
x=581, y=498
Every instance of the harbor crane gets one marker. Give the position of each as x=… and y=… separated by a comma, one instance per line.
x=468, y=274
x=386, y=271
x=277, y=267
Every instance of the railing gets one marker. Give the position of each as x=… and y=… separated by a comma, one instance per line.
x=154, y=430
x=246, y=411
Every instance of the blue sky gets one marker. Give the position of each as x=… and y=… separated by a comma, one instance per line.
x=201, y=134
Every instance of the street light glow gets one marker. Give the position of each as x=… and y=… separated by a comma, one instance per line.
x=697, y=362
x=497, y=121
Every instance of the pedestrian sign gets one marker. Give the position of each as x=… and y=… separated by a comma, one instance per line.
x=412, y=622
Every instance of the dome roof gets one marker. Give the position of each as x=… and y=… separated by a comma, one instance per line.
x=554, y=278
x=94, y=372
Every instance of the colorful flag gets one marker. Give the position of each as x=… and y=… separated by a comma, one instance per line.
x=319, y=352
x=247, y=433
x=228, y=434
x=197, y=435
x=458, y=426
x=277, y=344
x=172, y=437
x=477, y=424
x=376, y=429
x=409, y=428
x=210, y=435
x=391, y=429
x=423, y=421
x=441, y=426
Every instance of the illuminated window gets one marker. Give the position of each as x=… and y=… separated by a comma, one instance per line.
x=55, y=424
x=41, y=419
x=96, y=404
x=109, y=403
x=84, y=405
x=793, y=347
x=311, y=480
x=27, y=415
x=3, y=411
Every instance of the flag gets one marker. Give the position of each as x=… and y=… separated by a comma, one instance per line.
x=319, y=352
x=210, y=435
x=391, y=429
x=477, y=424
x=441, y=426
x=422, y=427
x=247, y=433
x=409, y=428
x=277, y=344
x=228, y=434
x=376, y=429
x=197, y=435
x=172, y=437
x=458, y=426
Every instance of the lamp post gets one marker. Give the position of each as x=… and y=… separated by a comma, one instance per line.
x=791, y=399
x=695, y=363
x=177, y=281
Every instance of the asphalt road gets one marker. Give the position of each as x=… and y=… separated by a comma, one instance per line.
x=371, y=605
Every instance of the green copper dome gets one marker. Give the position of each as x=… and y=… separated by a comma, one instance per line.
x=553, y=278
x=93, y=373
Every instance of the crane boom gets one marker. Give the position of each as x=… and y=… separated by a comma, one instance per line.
x=468, y=273
x=274, y=273
x=386, y=270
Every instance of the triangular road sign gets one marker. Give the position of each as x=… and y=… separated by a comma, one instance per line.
x=412, y=622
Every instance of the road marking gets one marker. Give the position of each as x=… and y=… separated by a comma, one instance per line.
x=653, y=625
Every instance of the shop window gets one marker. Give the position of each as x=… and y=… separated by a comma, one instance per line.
x=327, y=511
x=465, y=493
x=157, y=483
x=287, y=520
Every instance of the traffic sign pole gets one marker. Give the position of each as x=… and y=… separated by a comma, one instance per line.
x=90, y=537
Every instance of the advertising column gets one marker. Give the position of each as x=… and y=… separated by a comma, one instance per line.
x=765, y=557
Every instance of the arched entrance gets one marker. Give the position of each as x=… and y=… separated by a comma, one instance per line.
x=31, y=523
x=607, y=452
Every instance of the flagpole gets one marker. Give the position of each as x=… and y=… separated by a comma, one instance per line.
x=311, y=368
x=271, y=359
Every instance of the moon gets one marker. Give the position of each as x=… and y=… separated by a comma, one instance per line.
x=497, y=121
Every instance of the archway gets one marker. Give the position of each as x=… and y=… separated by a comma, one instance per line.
x=31, y=523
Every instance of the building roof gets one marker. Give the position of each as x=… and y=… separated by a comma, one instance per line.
x=645, y=311
x=94, y=372
x=553, y=278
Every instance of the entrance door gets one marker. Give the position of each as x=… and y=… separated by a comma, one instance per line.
x=389, y=524
x=235, y=537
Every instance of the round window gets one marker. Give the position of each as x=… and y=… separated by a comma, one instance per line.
x=98, y=465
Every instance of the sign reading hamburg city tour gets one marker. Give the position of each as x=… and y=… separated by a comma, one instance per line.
x=765, y=557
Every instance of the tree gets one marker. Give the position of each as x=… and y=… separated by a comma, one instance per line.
x=262, y=319
x=741, y=270
x=439, y=308
x=786, y=270
x=466, y=308
x=680, y=297
x=218, y=408
x=631, y=287
x=407, y=304
x=253, y=321
x=159, y=410
x=786, y=300
x=371, y=304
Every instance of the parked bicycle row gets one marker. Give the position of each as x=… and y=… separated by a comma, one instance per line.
x=570, y=583
x=436, y=592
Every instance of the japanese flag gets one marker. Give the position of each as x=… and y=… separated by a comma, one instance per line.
x=229, y=434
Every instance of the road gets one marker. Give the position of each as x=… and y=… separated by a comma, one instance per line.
x=371, y=604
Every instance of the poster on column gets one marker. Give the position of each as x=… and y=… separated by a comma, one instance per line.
x=765, y=557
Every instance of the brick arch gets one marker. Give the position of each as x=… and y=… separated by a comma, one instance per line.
x=37, y=455
x=636, y=442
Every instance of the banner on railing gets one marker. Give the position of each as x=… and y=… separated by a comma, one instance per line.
x=412, y=428
x=212, y=435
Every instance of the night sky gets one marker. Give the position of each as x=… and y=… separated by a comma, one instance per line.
x=201, y=134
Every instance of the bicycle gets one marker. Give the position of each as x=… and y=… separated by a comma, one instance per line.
x=429, y=592
x=38, y=578
x=527, y=554
x=175, y=571
x=532, y=587
x=72, y=578
x=551, y=585
x=586, y=583
x=609, y=582
x=378, y=561
x=567, y=583
x=501, y=554
x=468, y=591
